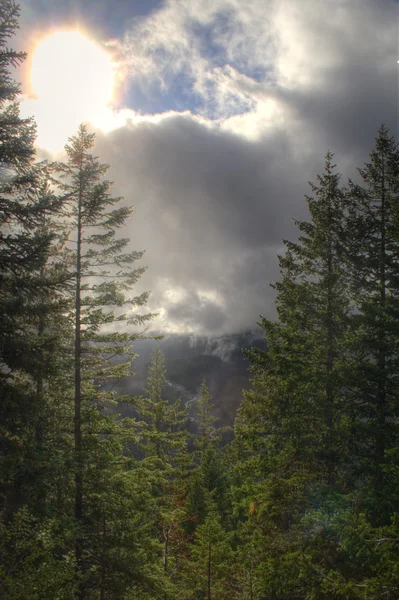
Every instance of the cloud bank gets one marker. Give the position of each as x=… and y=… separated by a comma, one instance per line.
x=248, y=98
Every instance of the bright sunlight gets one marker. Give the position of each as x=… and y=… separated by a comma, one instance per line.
x=73, y=81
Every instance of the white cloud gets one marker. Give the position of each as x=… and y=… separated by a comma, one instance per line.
x=171, y=41
x=234, y=54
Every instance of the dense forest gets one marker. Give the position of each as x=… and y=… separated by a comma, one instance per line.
x=298, y=501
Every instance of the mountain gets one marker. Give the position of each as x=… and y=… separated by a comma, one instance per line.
x=188, y=360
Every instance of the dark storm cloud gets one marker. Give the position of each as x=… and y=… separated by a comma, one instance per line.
x=211, y=181
x=346, y=112
x=211, y=209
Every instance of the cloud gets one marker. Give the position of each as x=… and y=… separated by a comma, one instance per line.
x=268, y=87
x=211, y=208
x=216, y=187
x=195, y=311
x=200, y=39
x=225, y=47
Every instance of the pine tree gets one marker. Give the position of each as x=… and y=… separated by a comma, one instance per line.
x=375, y=279
x=207, y=571
x=316, y=438
x=314, y=302
x=20, y=246
x=164, y=441
x=24, y=248
x=29, y=301
x=210, y=477
x=103, y=277
x=298, y=389
x=166, y=421
x=17, y=135
x=48, y=326
x=205, y=418
x=292, y=426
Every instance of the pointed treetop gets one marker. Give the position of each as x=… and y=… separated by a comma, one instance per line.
x=156, y=379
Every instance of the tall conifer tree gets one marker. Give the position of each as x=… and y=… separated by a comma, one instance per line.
x=293, y=422
x=164, y=442
x=104, y=276
x=24, y=247
x=374, y=268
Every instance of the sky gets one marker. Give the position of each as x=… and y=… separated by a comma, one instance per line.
x=221, y=113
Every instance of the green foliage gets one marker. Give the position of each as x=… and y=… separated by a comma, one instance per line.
x=316, y=479
x=166, y=432
x=374, y=274
x=114, y=542
x=206, y=571
x=37, y=558
x=164, y=443
x=27, y=291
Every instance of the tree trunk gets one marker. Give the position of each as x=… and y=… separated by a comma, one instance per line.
x=381, y=358
x=77, y=416
x=330, y=350
x=209, y=571
x=40, y=493
x=251, y=594
x=39, y=489
x=103, y=568
x=166, y=549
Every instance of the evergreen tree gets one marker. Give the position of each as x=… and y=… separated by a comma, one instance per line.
x=103, y=278
x=292, y=426
x=209, y=477
x=17, y=135
x=317, y=479
x=29, y=301
x=166, y=434
x=374, y=269
x=205, y=420
x=164, y=441
x=24, y=249
x=206, y=574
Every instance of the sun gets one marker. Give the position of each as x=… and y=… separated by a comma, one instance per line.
x=73, y=81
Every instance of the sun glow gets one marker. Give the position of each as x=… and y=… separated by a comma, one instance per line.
x=73, y=80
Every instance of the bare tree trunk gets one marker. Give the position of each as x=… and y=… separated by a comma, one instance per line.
x=330, y=348
x=77, y=416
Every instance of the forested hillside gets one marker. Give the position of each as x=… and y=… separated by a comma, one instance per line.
x=109, y=493
x=188, y=361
